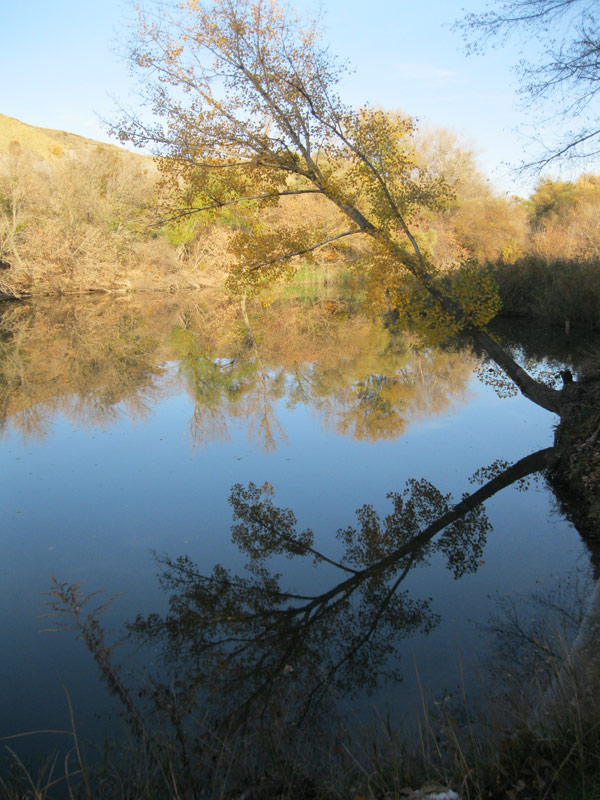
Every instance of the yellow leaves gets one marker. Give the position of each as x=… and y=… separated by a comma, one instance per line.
x=417, y=311
x=172, y=54
x=262, y=114
x=471, y=287
x=474, y=289
x=264, y=256
x=386, y=171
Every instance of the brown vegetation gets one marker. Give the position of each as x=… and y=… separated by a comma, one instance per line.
x=576, y=475
x=85, y=220
x=77, y=216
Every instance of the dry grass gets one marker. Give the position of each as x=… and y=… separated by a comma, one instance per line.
x=44, y=143
x=534, y=736
x=85, y=219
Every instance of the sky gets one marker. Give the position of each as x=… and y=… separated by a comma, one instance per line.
x=62, y=67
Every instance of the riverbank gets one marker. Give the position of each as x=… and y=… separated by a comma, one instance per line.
x=576, y=474
x=533, y=734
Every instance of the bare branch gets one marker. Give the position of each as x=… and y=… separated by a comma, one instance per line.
x=566, y=75
x=569, y=150
x=188, y=212
x=304, y=250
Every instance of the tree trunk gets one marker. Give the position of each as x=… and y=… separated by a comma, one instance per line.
x=538, y=393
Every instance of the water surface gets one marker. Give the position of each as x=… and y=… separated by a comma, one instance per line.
x=126, y=423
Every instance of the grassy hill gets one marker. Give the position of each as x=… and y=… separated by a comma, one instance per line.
x=45, y=142
x=78, y=215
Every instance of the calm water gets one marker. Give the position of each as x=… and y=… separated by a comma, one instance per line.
x=126, y=423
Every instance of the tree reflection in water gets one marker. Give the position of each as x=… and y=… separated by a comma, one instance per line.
x=97, y=360
x=244, y=647
x=251, y=648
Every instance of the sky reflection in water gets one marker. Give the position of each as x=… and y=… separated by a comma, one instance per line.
x=126, y=423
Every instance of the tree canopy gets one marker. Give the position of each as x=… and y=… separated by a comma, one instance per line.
x=244, y=95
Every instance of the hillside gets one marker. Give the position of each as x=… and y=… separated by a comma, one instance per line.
x=45, y=142
x=78, y=215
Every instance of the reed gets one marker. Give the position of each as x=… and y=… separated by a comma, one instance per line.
x=533, y=734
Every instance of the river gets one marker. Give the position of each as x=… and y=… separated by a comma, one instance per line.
x=131, y=430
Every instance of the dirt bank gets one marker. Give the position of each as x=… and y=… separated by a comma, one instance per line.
x=576, y=473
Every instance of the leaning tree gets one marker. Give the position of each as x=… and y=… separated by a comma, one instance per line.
x=245, y=111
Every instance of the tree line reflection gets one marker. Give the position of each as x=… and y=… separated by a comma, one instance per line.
x=98, y=360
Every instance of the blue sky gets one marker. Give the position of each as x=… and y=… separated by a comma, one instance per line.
x=61, y=66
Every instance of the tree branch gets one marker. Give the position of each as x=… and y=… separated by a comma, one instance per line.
x=304, y=250
x=188, y=212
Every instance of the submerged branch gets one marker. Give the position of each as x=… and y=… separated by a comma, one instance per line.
x=539, y=393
